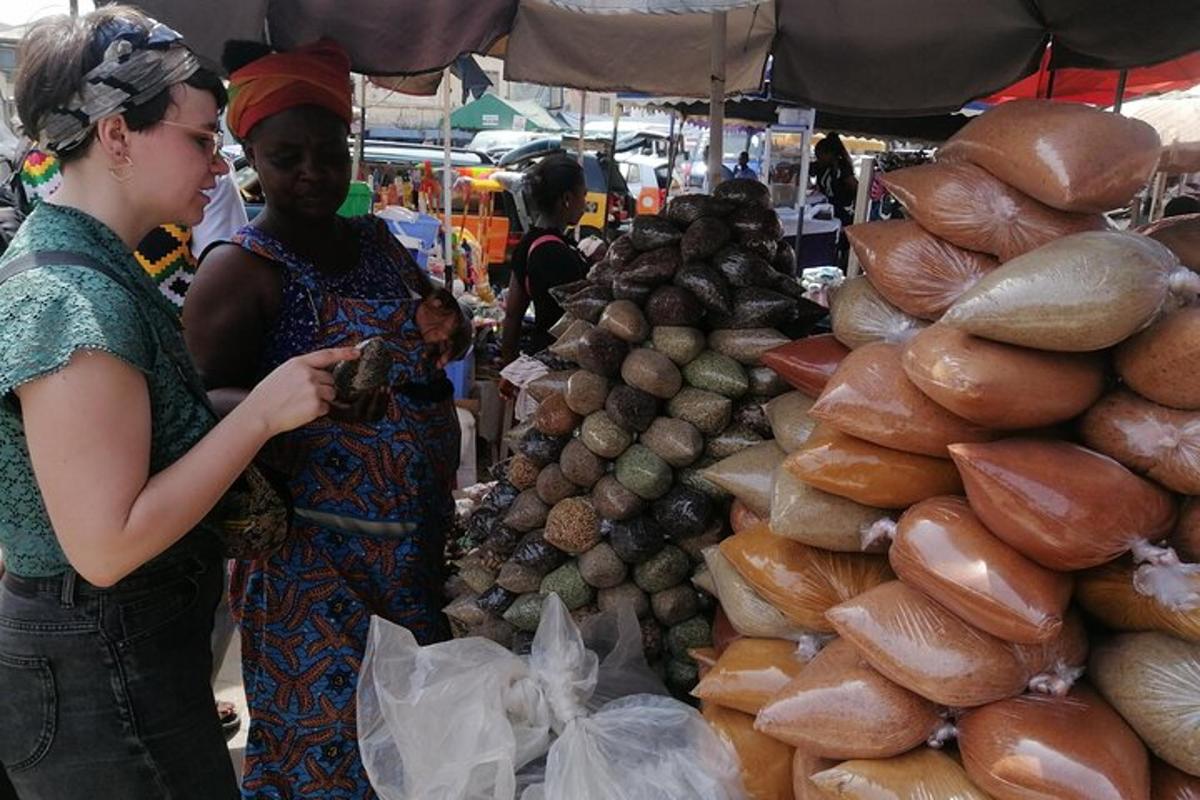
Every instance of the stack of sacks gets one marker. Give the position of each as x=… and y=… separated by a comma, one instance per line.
x=606, y=503
x=964, y=416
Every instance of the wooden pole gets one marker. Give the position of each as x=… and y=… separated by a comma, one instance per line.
x=447, y=179
x=716, y=102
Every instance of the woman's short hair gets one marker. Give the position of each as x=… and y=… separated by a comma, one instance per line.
x=56, y=54
x=551, y=178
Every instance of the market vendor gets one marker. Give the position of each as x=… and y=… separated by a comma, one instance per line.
x=372, y=488
x=546, y=256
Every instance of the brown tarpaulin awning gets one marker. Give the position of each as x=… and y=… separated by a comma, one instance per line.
x=855, y=57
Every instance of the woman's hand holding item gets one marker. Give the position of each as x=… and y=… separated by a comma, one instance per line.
x=298, y=391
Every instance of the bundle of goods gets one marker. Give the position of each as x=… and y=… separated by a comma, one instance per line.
x=467, y=719
x=983, y=514
x=655, y=415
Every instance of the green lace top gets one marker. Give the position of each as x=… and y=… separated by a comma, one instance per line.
x=46, y=315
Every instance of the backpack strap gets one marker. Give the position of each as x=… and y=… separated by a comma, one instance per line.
x=543, y=239
x=62, y=258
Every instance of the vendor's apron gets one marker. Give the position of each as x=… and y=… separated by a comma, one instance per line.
x=373, y=507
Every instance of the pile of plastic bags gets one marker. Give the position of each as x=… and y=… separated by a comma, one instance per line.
x=974, y=574
x=469, y=720
x=652, y=412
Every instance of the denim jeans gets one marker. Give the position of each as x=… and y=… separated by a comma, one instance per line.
x=105, y=692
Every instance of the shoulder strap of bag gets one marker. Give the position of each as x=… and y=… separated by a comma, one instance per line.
x=543, y=239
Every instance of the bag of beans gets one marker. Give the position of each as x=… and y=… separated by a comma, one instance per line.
x=1062, y=505
x=741, y=517
x=1001, y=386
x=790, y=422
x=840, y=707
x=766, y=763
x=804, y=765
x=869, y=473
x=926, y=649
x=967, y=206
x=914, y=270
x=802, y=582
x=746, y=610
x=1084, y=750
x=1068, y=155
x=1107, y=592
x=749, y=672
x=942, y=549
x=748, y=475
x=1162, y=362
x=861, y=316
x=810, y=516
x=1079, y=293
x=1152, y=680
x=921, y=774
x=1152, y=440
x=1181, y=235
x=1168, y=783
x=808, y=363
x=870, y=397
x=1186, y=538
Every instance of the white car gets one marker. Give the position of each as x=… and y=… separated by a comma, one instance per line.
x=646, y=177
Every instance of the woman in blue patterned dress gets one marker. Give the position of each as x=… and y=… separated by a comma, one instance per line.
x=372, y=488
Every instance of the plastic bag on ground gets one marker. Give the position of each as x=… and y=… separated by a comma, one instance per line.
x=749, y=475
x=804, y=765
x=914, y=270
x=1181, y=235
x=790, y=422
x=1080, y=293
x=1168, y=783
x=458, y=720
x=741, y=517
x=922, y=774
x=942, y=549
x=840, y=707
x=807, y=363
x=1062, y=505
x=969, y=207
x=820, y=519
x=749, y=672
x=1108, y=593
x=1161, y=363
x=1152, y=440
x=923, y=647
x=746, y=610
x=861, y=316
x=802, y=582
x=871, y=398
x=1068, y=155
x=1069, y=748
x=868, y=473
x=766, y=764
x=1153, y=680
x=998, y=385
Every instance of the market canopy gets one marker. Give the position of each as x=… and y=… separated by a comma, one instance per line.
x=858, y=57
x=490, y=112
x=1101, y=86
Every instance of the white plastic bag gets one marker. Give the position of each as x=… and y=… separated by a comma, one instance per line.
x=468, y=720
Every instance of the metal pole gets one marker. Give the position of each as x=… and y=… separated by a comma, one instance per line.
x=1122, y=79
x=716, y=102
x=1050, y=84
x=672, y=151
x=612, y=169
x=362, y=125
x=447, y=179
x=582, y=121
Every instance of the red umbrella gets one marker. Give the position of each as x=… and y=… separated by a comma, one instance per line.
x=1100, y=87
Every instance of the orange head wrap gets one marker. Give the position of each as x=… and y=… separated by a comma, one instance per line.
x=317, y=74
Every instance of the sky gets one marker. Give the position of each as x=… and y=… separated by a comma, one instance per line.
x=16, y=12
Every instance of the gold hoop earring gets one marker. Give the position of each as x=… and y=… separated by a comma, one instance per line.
x=123, y=172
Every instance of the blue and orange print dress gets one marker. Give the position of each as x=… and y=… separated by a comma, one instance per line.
x=373, y=506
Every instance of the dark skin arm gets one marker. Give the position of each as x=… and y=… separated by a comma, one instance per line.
x=515, y=305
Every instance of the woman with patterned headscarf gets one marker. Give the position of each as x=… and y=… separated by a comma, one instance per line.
x=371, y=485
x=111, y=458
